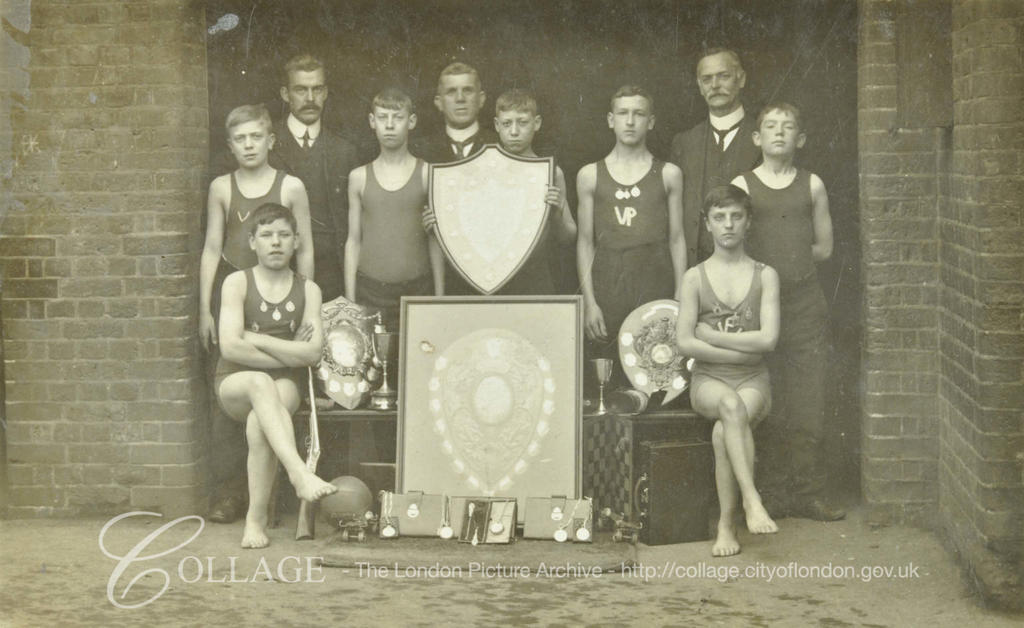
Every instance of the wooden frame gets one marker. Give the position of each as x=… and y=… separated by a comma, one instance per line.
x=490, y=396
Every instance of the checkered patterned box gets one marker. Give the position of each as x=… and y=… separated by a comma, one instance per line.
x=612, y=454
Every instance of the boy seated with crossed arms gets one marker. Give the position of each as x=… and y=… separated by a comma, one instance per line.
x=728, y=319
x=270, y=331
x=517, y=120
x=388, y=255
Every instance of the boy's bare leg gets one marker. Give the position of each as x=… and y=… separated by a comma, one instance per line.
x=726, y=543
x=717, y=400
x=262, y=467
x=272, y=404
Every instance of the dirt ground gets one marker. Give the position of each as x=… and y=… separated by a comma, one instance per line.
x=836, y=574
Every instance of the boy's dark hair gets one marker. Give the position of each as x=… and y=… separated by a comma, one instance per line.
x=726, y=196
x=633, y=90
x=454, y=69
x=784, y=107
x=516, y=100
x=302, y=63
x=248, y=113
x=394, y=99
x=268, y=213
x=710, y=52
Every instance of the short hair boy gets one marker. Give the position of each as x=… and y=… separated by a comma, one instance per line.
x=728, y=320
x=517, y=119
x=388, y=254
x=794, y=232
x=270, y=330
x=630, y=248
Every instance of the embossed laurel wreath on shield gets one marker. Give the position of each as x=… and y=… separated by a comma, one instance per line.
x=489, y=400
x=490, y=213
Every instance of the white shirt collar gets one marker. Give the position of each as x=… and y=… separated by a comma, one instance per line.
x=461, y=135
x=727, y=121
x=298, y=128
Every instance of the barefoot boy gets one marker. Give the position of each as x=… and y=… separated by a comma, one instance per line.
x=388, y=255
x=232, y=200
x=517, y=120
x=728, y=319
x=630, y=248
x=269, y=330
x=794, y=232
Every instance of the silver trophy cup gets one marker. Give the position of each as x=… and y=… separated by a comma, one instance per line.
x=385, y=349
x=603, y=371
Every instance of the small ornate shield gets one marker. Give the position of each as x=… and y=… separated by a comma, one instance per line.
x=346, y=369
x=648, y=350
x=490, y=213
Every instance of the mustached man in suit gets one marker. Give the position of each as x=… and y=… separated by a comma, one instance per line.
x=715, y=151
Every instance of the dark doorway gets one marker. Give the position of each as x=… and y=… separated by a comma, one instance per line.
x=574, y=54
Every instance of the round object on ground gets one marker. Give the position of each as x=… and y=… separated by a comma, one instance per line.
x=349, y=503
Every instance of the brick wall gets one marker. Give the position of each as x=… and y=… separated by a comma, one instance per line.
x=99, y=248
x=942, y=225
x=981, y=329
x=900, y=191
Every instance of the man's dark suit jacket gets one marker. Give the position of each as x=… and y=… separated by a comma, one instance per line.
x=689, y=152
x=324, y=170
x=437, y=148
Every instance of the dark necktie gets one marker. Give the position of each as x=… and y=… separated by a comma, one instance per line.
x=460, y=147
x=306, y=140
x=720, y=135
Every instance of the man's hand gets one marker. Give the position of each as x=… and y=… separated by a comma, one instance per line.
x=593, y=321
x=428, y=218
x=304, y=333
x=704, y=332
x=207, y=330
x=554, y=197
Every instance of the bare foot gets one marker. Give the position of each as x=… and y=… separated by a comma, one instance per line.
x=758, y=521
x=311, y=488
x=726, y=543
x=254, y=536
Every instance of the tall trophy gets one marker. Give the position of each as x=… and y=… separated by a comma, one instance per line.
x=385, y=349
x=603, y=370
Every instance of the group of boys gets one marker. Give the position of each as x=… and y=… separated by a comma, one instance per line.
x=641, y=220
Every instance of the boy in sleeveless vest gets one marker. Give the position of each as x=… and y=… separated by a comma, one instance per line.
x=232, y=201
x=794, y=232
x=630, y=248
x=728, y=319
x=517, y=120
x=388, y=254
x=269, y=331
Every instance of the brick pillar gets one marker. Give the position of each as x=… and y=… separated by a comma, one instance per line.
x=981, y=492
x=99, y=252
x=900, y=183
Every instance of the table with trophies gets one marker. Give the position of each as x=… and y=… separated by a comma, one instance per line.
x=487, y=429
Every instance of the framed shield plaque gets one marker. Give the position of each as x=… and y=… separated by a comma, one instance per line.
x=490, y=213
x=489, y=396
x=648, y=351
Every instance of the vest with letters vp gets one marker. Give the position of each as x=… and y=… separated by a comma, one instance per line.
x=626, y=216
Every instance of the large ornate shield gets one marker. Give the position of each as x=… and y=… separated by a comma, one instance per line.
x=648, y=351
x=490, y=213
x=489, y=399
x=346, y=369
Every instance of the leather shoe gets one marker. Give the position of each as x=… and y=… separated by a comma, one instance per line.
x=227, y=509
x=817, y=510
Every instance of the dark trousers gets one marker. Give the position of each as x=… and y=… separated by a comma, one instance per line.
x=789, y=450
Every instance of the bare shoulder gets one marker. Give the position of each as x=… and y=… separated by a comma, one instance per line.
x=221, y=186
x=587, y=175
x=769, y=275
x=292, y=184
x=671, y=174
x=235, y=282
x=312, y=290
x=691, y=277
x=817, y=185
x=358, y=175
